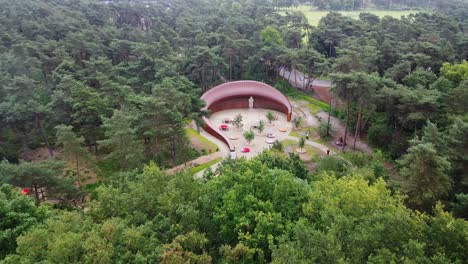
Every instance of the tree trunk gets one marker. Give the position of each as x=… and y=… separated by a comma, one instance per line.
x=240, y=66
x=329, y=115
x=173, y=151
x=230, y=68
x=36, y=194
x=78, y=177
x=44, y=135
x=295, y=79
x=357, y=128
x=347, y=124
x=363, y=124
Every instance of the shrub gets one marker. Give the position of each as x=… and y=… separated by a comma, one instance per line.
x=277, y=146
x=297, y=121
x=323, y=130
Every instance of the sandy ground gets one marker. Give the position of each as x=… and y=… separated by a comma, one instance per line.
x=251, y=117
x=300, y=109
x=339, y=131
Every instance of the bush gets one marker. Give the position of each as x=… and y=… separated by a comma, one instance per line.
x=277, y=146
x=332, y=164
x=297, y=122
x=323, y=130
x=379, y=134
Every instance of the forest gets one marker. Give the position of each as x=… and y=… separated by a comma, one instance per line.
x=95, y=97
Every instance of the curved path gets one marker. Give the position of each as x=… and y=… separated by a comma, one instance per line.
x=314, y=144
x=223, y=150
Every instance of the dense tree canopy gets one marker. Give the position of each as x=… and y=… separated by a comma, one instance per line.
x=254, y=212
x=104, y=90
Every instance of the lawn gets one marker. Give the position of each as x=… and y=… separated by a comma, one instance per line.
x=203, y=166
x=314, y=16
x=202, y=142
x=294, y=144
x=313, y=133
x=314, y=105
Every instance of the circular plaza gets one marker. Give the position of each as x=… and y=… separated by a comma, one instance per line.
x=241, y=108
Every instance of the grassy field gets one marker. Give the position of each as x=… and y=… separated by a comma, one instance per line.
x=313, y=152
x=203, y=142
x=205, y=165
x=314, y=16
x=314, y=105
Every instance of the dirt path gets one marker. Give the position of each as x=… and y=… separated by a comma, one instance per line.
x=300, y=108
x=223, y=152
x=193, y=163
x=299, y=80
x=339, y=131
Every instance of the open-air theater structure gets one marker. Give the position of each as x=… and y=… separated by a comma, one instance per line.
x=235, y=95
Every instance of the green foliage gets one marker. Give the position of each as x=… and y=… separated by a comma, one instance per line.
x=332, y=164
x=18, y=214
x=278, y=160
x=277, y=146
x=261, y=126
x=38, y=177
x=253, y=205
x=210, y=146
x=184, y=248
x=271, y=36
x=297, y=121
x=253, y=211
x=349, y=211
x=72, y=64
x=460, y=206
x=425, y=175
x=237, y=121
x=323, y=129
x=249, y=135
x=203, y=166
x=270, y=116
x=314, y=105
x=301, y=143
x=122, y=141
x=74, y=152
x=456, y=72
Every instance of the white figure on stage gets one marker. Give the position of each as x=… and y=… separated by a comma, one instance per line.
x=251, y=102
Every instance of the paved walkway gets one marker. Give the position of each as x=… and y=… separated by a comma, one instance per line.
x=194, y=163
x=223, y=152
x=298, y=79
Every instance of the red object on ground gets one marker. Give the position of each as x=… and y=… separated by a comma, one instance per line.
x=245, y=150
x=223, y=127
x=25, y=191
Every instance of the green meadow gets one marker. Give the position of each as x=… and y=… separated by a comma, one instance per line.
x=314, y=16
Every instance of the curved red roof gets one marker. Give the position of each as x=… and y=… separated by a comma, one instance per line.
x=244, y=88
x=229, y=95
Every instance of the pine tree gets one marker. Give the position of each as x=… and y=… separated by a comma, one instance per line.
x=425, y=178
x=73, y=151
x=122, y=140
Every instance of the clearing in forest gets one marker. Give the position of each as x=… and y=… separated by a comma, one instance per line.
x=314, y=16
